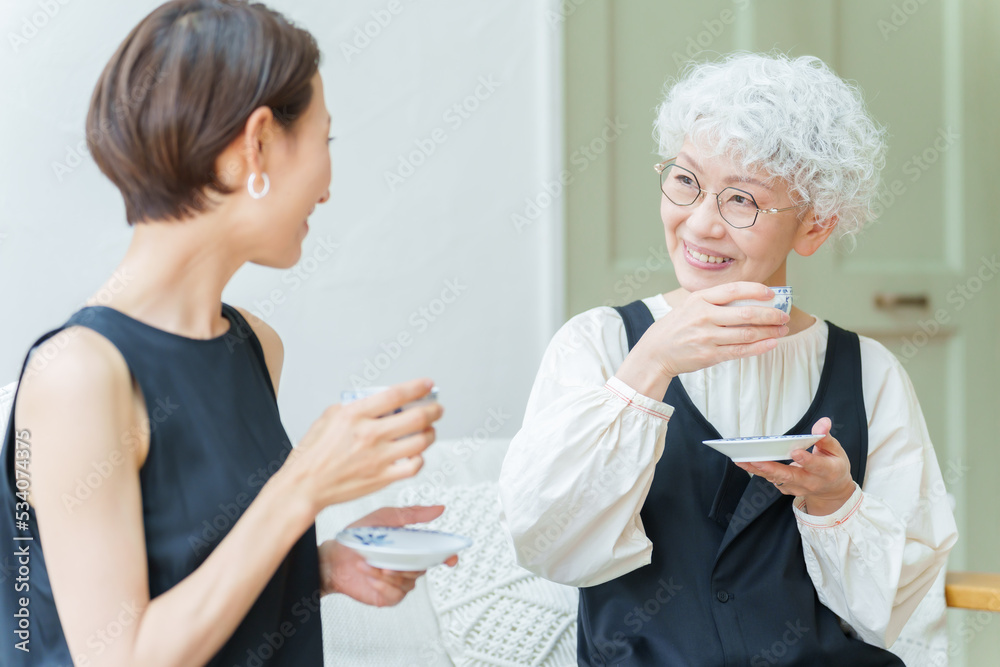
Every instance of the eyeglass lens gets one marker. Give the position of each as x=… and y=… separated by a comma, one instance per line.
x=737, y=207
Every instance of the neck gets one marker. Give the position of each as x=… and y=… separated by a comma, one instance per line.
x=173, y=275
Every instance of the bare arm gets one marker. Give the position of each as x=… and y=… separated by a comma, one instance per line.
x=77, y=410
x=343, y=570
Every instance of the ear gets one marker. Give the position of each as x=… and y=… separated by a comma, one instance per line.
x=258, y=133
x=247, y=152
x=812, y=233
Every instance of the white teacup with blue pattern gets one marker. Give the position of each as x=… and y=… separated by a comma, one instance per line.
x=351, y=395
x=782, y=300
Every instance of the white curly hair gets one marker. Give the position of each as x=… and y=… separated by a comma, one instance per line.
x=792, y=117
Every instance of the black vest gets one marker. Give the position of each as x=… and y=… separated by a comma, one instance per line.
x=727, y=584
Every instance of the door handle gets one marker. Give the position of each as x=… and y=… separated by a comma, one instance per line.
x=894, y=301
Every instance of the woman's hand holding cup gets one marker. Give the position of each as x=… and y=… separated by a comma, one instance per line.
x=702, y=332
x=353, y=450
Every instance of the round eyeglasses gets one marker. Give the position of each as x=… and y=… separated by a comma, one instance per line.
x=737, y=207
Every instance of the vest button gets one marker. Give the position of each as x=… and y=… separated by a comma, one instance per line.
x=722, y=596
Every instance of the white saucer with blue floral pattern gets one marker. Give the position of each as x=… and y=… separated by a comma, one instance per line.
x=403, y=549
x=762, y=448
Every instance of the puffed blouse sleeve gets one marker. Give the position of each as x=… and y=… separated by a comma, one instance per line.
x=873, y=560
x=578, y=471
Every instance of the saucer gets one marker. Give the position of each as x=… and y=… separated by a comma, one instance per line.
x=403, y=549
x=762, y=448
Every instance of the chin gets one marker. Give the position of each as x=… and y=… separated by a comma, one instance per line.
x=285, y=262
x=694, y=281
x=292, y=260
x=698, y=285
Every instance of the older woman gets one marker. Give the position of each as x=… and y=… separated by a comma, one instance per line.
x=682, y=556
x=147, y=478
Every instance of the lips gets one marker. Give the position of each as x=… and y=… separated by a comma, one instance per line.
x=704, y=255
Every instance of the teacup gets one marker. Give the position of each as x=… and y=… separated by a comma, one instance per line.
x=782, y=300
x=351, y=395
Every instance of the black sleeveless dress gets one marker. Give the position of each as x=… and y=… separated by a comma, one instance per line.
x=727, y=585
x=215, y=439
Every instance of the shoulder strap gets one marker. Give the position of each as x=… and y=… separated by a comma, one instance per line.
x=637, y=319
x=847, y=347
x=243, y=331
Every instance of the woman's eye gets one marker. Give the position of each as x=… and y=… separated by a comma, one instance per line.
x=743, y=201
x=329, y=140
x=686, y=181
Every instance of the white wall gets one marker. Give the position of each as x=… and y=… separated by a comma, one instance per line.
x=62, y=228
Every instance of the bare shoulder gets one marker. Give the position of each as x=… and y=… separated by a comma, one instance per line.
x=76, y=363
x=270, y=342
x=76, y=393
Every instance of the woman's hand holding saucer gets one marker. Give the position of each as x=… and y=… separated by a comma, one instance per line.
x=701, y=332
x=822, y=477
x=344, y=570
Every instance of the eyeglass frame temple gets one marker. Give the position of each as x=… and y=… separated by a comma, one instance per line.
x=660, y=166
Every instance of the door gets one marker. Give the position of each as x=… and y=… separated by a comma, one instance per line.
x=923, y=278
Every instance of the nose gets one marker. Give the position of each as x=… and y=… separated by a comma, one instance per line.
x=705, y=219
x=326, y=197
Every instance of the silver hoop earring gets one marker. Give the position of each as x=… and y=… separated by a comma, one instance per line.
x=267, y=186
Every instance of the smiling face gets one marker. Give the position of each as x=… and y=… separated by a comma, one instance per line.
x=707, y=251
x=297, y=161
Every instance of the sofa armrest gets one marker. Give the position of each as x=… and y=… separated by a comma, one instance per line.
x=973, y=590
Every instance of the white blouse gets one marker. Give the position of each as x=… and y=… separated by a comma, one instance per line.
x=871, y=562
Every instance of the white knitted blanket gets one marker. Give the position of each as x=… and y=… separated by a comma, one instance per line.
x=491, y=611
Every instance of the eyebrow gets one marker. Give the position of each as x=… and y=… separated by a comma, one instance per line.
x=730, y=179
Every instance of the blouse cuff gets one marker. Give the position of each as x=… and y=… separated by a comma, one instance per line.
x=638, y=401
x=846, y=511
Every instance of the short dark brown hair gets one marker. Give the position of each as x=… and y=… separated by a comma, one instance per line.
x=180, y=89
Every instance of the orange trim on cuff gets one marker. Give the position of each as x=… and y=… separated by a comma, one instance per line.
x=847, y=516
x=635, y=405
